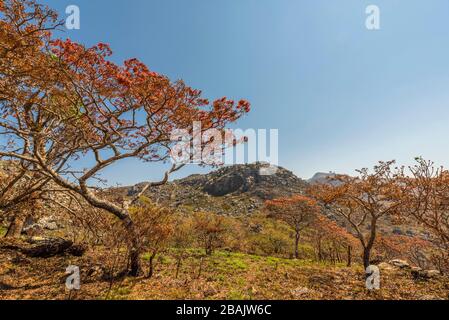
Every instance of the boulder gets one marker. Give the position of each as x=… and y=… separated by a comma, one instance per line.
x=425, y=274
x=402, y=264
x=46, y=223
x=386, y=266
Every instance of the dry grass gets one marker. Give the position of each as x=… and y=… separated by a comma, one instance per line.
x=225, y=275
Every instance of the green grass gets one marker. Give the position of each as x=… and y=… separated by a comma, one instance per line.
x=236, y=295
x=3, y=231
x=120, y=293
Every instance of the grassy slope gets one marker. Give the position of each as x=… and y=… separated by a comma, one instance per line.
x=223, y=276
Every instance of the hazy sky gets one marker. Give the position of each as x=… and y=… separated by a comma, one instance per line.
x=341, y=96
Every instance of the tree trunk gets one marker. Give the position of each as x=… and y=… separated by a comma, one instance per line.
x=151, y=271
x=15, y=228
x=349, y=258
x=297, y=237
x=120, y=212
x=46, y=248
x=331, y=255
x=134, y=250
x=178, y=267
x=337, y=254
x=134, y=267
x=319, y=250
x=366, y=257
x=208, y=247
x=370, y=244
x=200, y=271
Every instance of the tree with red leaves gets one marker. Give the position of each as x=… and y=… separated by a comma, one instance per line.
x=61, y=102
x=427, y=192
x=24, y=29
x=337, y=238
x=414, y=249
x=364, y=200
x=297, y=211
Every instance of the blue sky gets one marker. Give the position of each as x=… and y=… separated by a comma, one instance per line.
x=342, y=97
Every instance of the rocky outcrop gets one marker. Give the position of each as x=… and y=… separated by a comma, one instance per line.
x=232, y=190
x=249, y=179
x=324, y=178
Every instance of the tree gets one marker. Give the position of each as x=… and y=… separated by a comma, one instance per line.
x=87, y=107
x=363, y=200
x=427, y=191
x=210, y=229
x=267, y=236
x=23, y=194
x=181, y=240
x=413, y=249
x=298, y=212
x=337, y=237
x=24, y=27
x=155, y=225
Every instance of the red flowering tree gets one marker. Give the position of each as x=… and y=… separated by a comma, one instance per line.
x=65, y=103
x=298, y=212
x=24, y=30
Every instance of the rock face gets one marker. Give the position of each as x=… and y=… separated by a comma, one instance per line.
x=232, y=190
x=246, y=179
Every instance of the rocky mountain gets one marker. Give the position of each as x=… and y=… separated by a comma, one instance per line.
x=321, y=177
x=233, y=190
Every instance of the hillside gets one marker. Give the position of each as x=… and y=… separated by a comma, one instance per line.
x=241, y=190
x=232, y=190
